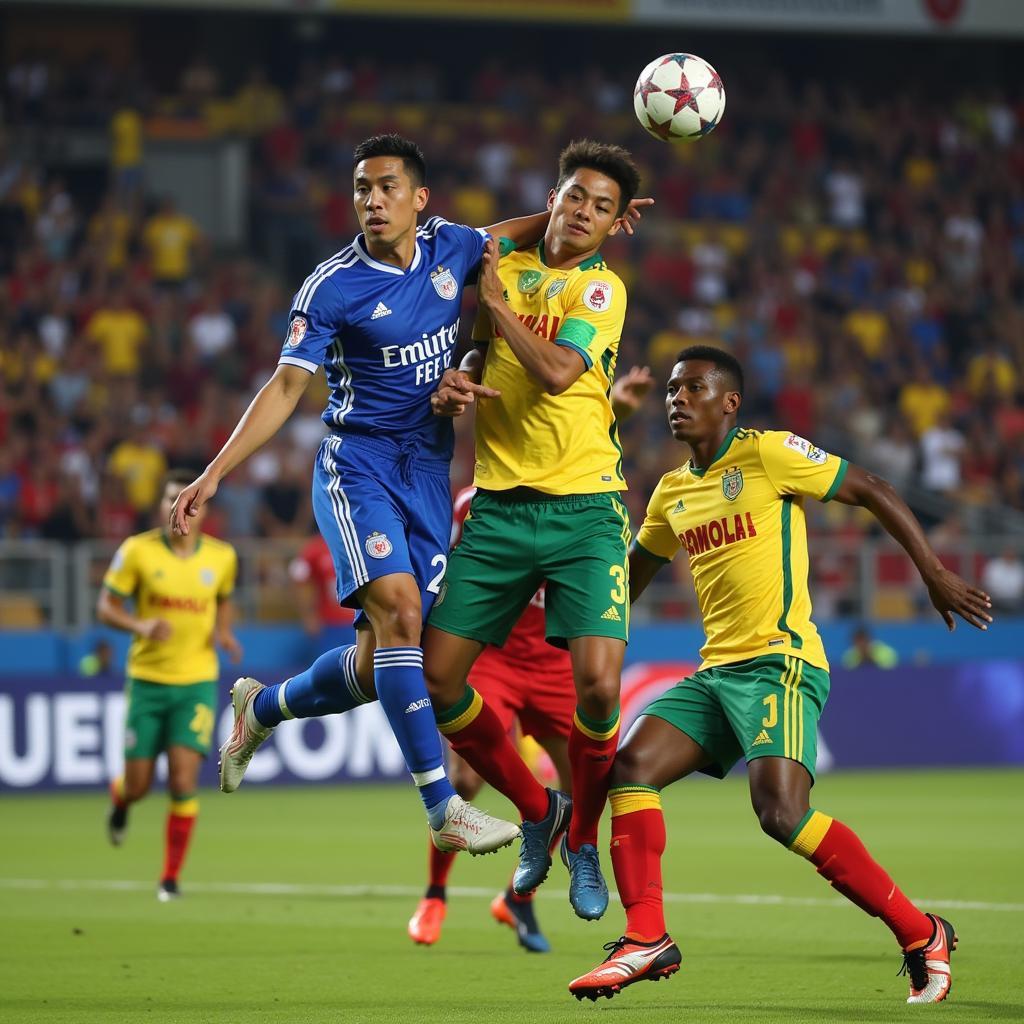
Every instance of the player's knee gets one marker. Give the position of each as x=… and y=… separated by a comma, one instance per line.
x=135, y=789
x=632, y=766
x=398, y=626
x=598, y=696
x=778, y=818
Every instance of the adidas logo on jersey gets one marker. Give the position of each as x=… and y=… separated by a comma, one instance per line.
x=380, y=311
x=418, y=705
x=612, y=615
x=680, y=507
x=762, y=737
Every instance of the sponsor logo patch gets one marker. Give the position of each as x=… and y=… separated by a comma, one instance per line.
x=805, y=448
x=296, y=331
x=444, y=283
x=597, y=296
x=418, y=705
x=379, y=311
x=529, y=281
x=378, y=546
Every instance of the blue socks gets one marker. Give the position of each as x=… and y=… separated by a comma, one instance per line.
x=328, y=687
x=398, y=675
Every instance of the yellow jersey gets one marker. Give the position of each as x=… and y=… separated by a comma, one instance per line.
x=169, y=237
x=185, y=592
x=557, y=444
x=741, y=522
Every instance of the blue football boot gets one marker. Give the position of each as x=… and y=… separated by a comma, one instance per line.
x=588, y=892
x=538, y=838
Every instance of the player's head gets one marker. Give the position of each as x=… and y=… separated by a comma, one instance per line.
x=596, y=182
x=389, y=181
x=705, y=389
x=174, y=481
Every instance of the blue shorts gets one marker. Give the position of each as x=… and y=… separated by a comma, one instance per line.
x=382, y=510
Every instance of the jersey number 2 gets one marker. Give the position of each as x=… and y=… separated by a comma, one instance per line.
x=434, y=586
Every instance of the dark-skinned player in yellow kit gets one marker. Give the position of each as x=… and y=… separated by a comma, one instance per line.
x=736, y=508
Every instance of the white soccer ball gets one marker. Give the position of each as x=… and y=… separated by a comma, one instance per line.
x=679, y=96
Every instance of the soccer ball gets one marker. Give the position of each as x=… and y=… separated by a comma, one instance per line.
x=679, y=96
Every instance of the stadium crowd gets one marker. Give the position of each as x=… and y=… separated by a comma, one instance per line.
x=871, y=281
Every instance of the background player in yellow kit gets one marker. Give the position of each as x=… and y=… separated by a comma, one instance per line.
x=736, y=508
x=181, y=589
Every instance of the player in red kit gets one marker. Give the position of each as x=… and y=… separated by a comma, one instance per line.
x=528, y=681
x=325, y=622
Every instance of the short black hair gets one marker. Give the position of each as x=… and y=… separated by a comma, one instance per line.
x=393, y=144
x=612, y=161
x=724, y=361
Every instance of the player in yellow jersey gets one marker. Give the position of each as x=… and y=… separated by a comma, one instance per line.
x=181, y=590
x=736, y=507
x=548, y=473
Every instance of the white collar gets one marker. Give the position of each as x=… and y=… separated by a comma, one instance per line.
x=388, y=268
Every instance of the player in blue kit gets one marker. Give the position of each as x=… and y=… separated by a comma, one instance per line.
x=382, y=317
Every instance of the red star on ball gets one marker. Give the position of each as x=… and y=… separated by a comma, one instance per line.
x=645, y=87
x=685, y=95
x=715, y=83
x=663, y=129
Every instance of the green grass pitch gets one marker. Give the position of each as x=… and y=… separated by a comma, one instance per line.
x=278, y=924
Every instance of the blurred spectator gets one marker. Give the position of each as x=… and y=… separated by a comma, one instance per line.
x=211, y=331
x=98, y=662
x=119, y=332
x=867, y=652
x=1003, y=580
x=126, y=134
x=171, y=240
x=316, y=588
x=942, y=450
x=923, y=400
x=140, y=464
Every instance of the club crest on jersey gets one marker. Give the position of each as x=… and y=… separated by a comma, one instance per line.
x=296, y=331
x=732, y=484
x=444, y=283
x=530, y=281
x=597, y=295
x=377, y=545
x=206, y=575
x=555, y=288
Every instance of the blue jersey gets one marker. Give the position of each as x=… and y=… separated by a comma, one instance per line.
x=385, y=336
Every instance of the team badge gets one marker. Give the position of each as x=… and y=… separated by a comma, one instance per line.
x=296, y=331
x=530, y=281
x=444, y=283
x=555, y=288
x=597, y=296
x=206, y=575
x=732, y=484
x=378, y=546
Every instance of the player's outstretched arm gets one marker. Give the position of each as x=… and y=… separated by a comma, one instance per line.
x=266, y=414
x=948, y=592
x=642, y=569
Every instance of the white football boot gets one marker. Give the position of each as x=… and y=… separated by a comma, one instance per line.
x=466, y=828
x=246, y=735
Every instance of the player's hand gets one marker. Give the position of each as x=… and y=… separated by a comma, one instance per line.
x=631, y=218
x=228, y=643
x=629, y=391
x=456, y=391
x=154, y=629
x=949, y=593
x=188, y=503
x=490, y=291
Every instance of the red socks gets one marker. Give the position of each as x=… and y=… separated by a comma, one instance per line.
x=592, y=747
x=842, y=859
x=477, y=735
x=180, y=821
x=638, y=841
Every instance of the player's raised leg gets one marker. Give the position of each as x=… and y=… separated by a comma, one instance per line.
x=655, y=755
x=338, y=681
x=780, y=794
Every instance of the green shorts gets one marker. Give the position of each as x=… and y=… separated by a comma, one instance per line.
x=764, y=707
x=513, y=541
x=162, y=715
